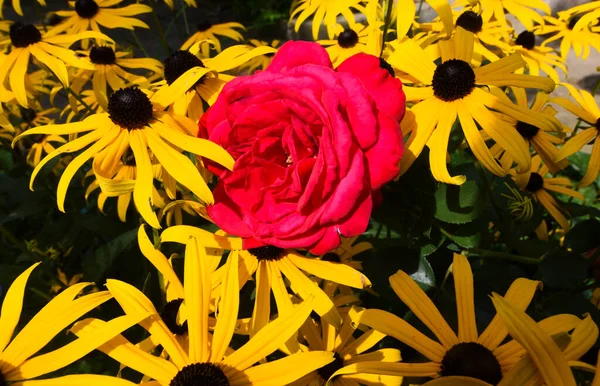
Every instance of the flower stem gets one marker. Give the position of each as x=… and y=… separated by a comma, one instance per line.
x=80, y=100
x=185, y=19
x=161, y=32
x=388, y=22
x=139, y=43
x=484, y=253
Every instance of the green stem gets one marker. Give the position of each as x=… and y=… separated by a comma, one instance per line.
x=41, y=294
x=173, y=22
x=40, y=15
x=80, y=100
x=161, y=32
x=139, y=43
x=388, y=22
x=185, y=20
x=484, y=253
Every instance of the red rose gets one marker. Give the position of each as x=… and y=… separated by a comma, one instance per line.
x=312, y=145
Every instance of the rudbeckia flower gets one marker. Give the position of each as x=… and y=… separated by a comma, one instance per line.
x=539, y=59
x=325, y=12
x=207, y=31
x=543, y=142
x=563, y=28
x=17, y=6
x=270, y=264
x=27, y=41
x=346, y=251
x=351, y=41
x=585, y=108
x=350, y=355
x=138, y=122
x=18, y=361
x=549, y=357
x=90, y=14
x=468, y=353
x=207, y=359
x=406, y=12
x=451, y=92
x=539, y=186
x=110, y=68
x=190, y=80
x=526, y=11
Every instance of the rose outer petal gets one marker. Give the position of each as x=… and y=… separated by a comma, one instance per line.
x=297, y=53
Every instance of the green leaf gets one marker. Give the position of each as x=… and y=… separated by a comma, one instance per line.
x=464, y=235
x=460, y=204
x=104, y=256
x=563, y=270
x=6, y=160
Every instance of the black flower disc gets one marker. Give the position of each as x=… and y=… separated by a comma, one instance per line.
x=453, y=79
x=472, y=360
x=526, y=39
x=470, y=21
x=178, y=63
x=23, y=35
x=535, y=183
x=200, y=374
x=86, y=8
x=102, y=55
x=268, y=252
x=130, y=108
x=348, y=39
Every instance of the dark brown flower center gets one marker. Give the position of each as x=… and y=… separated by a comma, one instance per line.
x=2, y=380
x=386, y=66
x=200, y=374
x=130, y=108
x=268, y=253
x=526, y=39
x=598, y=124
x=573, y=21
x=329, y=369
x=169, y=316
x=454, y=79
x=470, y=21
x=348, y=38
x=472, y=360
x=86, y=8
x=333, y=257
x=535, y=183
x=178, y=63
x=103, y=55
x=28, y=115
x=23, y=35
x=527, y=130
x=203, y=25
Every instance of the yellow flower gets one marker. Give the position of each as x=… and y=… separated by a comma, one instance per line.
x=326, y=12
x=539, y=185
x=90, y=14
x=466, y=354
x=270, y=264
x=17, y=354
x=109, y=68
x=207, y=76
x=583, y=15
x=17, y=6
x=549, y=357
x=207, y=31
x=262, y=61
x=585, y=108
x=451, y=93
x=524, y=10
x=208, y=357
x=174, y=210
x=350, y=355
x=359, y=38
x=138, y=122
x=539, y=59
x=26, y=41
x=562, y=27
x=543, y=142
x=346, y=251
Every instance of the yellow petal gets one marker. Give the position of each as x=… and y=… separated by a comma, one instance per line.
x=12, y=306
x=181, y=233
x=335, y=272
x=78, y=380
x=429, y=369
x=582, y=339
x=463, y=286
x=421, y=305
x=227, y=309
x=142, y=193
x=548, y=358
x=17, y=77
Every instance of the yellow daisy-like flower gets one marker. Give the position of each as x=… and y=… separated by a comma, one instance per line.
x=539, y=186
x=350, y=355
x=91, y=14
x=174, y=210
x=138, y=122
x=450, y=92
x=260, y=62
x=189, y=3
x=549, y=357
x=524, y=10
x=326, y=12
x=359, y=38
x=110, y=68
x=17, y=6
x=543, y=142
x=27, y=41
x=206, y=76
x=539, y=59
x=346, y=251
x=585, y=108
x=270, y=264
x=207, y=357
x=468, y=353
x=207, y=31
x=583, y=15
x=563, y=28
x=17, y=360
